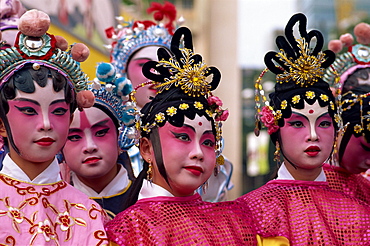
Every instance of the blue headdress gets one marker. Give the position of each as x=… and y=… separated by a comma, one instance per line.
x=111, y=95
x=130, y=36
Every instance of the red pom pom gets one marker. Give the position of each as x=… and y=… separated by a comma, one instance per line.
x=85, y=99
x=80, y=52
x=158, y=16
x=109, y=32
x=335, y=46
x=34, y=23
x=346, y=39
x=362, y=33
x=61, y=43
x=146, y=23
x=167, y=11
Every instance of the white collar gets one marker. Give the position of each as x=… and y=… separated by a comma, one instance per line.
x=116, y=186
x=50, y=175
x=150, y=189
x=283, y=173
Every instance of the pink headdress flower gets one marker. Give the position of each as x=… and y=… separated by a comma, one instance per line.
x=268, y=119
x=215, y=103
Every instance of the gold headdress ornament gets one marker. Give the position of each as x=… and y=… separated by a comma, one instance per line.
x=182, y=88
x=299, y=70
x=35, y=46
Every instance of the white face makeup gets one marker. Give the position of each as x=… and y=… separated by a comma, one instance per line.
x=307, y=136
x=91, y=150
x=135, y=74
x=188, y=155
x=39, y=123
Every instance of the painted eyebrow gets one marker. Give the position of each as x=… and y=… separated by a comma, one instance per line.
x=74, y=130
x=58, y=101
x=36, y=102
x=192, y=128
x=208, y=132
x=323, y=114
x=101, y=123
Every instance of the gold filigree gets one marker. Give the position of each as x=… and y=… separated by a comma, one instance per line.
x=189, y=76
x=337, y=118
x=357, y=128
x=183, y=106
x=324, y=97
x=278, y=115
x=160, y=117
x=198, y=105
x=171, y=111
x=296, y=99
x=284, y=104
x=310, y=94
x=306, y=69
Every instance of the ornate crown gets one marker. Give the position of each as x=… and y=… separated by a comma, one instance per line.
x=33, y=45
x=353, y=105
x=130, y=36
x=357, y=55
x=111, y=92
x=299, y=69
x=182, y=88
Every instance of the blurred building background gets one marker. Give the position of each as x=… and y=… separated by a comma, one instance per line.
x=234, y=36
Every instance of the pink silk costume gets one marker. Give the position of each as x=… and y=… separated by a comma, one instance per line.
x=308, y=213
x=355, y=185
x=48, y=214
x=181, y=221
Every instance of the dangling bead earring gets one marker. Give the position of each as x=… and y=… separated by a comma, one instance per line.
x=216, y=170
x=334, y=156
x=277, y=153
x=149, y=173
x=205, y=187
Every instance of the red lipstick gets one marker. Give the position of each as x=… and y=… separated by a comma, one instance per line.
x=91, y=160
x=312, y=150
x=194, y=170
x=45, y=141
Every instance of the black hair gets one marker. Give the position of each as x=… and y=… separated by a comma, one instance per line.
x=23, y=80
x=351, y=116
x=132, y=55
x=109, y=113
x=173, y=96
x=352, y=80
x=295, y=85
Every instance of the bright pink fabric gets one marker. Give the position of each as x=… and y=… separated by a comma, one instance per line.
x=308, y=213
x=182, y=221
x=50, y=214
x=351, y=184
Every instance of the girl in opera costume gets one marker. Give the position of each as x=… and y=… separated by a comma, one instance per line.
x=350, y=77
x=95, y=153
x=133, y=44
x=39, y=84
x=180, y=140
x=301, y=120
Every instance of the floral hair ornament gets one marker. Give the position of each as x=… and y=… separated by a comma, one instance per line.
x=111, y=95
x=130, y=36
x=34, y=45
x=299, y=69
x=182, y=89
